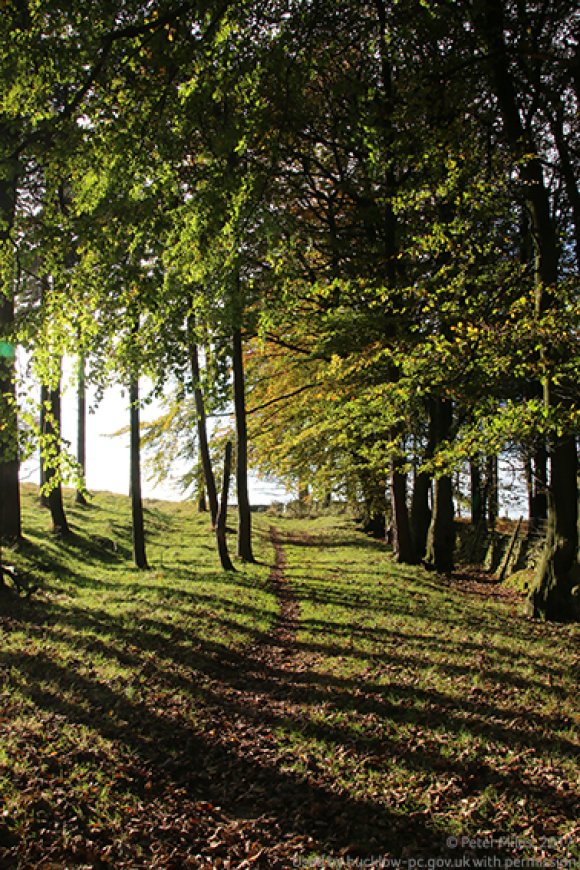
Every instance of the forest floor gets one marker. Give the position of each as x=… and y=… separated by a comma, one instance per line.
x=324, y=707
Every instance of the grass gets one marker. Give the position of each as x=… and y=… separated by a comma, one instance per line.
x=143, y=727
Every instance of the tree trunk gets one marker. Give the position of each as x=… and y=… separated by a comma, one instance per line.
x=557, y=574
x=539, y=500
x=550, y=597
x=441, y=537
x=200, y=488
x=210, y=485
x=420, y=513
x=244, y=512
x=492, y=491
x=10, y=523
x=402, y=542
x=52, y=426
x=476, y=492
x=80, y=497
x=139, y=553
x=44, y=412
x=220, y=528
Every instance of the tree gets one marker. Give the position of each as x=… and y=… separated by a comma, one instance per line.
x=551, y=596
x=222, y=545
x=139, y=552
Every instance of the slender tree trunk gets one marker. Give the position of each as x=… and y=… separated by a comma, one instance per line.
x=244, y=512
x=10, y=523
x=139, y=553
x=221, y=536
x=200, y=488
x=210, y=485
x=492, y=490
x=476, y=492
x=529, y=478
x=52, y=428
x=551, y=596
x=569, y=174
x=44, y=412
x=441, y=538
x=80, y=498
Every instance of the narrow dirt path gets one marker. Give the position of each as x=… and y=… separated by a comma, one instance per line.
x=276, y=649
x=256, y=682
x=257, y=807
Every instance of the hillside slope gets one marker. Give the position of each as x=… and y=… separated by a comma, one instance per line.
x=323, y=705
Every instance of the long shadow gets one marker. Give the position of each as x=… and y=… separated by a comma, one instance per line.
x=321, y=541
x=173, y=754
x=177, y=758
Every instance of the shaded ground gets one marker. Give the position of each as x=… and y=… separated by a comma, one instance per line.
x=373, y=717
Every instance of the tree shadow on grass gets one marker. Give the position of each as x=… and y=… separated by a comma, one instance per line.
x=194, y=748
x=196, y=719
x=171, y=756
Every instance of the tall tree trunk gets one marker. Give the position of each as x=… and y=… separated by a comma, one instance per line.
x=220, y=528
x=420, y=512
x=80, y=498
x=420, y=509
x=529, y=478
x=52, y=470
x=200, y=488
x=492, y=491
x=244, y=512
x=139, y=553
x=551, y=596
x=44, y=412
x=210, y=485
x=10, y=523
x=476, y=492
x=539, y=504
x=441, y=538
x=402, y=542
x=562, y=141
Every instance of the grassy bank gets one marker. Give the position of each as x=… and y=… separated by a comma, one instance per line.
x=156, y=719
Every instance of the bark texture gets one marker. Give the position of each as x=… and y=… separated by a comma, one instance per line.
x=210, y=484
x=138, y=523
x=220, y=529
x=244, y=512
x=52, y=425
x=441, y=537
x=80, y=497
x=10, y=523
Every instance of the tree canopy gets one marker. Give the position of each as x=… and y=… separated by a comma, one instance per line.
x=375, y=206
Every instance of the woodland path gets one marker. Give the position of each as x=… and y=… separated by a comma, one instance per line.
x=264, y=813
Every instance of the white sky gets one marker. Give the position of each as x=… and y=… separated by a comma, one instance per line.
x=107, y=458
